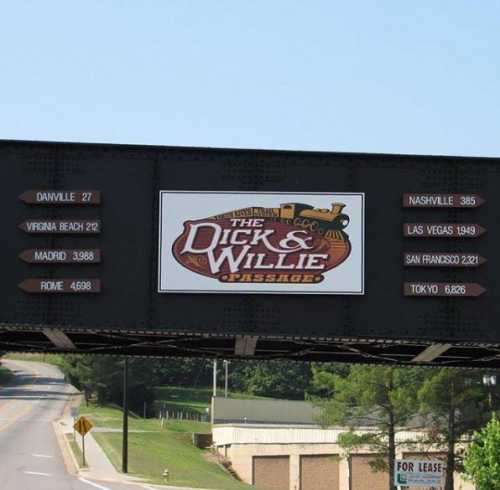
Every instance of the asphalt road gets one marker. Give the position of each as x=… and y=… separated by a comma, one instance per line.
x=30, y=456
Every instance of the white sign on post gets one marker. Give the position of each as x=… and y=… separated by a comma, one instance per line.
x=418, y=473
x=267, y=242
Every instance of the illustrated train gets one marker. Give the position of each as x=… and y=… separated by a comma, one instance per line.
x=325, y=219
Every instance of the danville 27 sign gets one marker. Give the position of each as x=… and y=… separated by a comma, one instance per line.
x=261, y=243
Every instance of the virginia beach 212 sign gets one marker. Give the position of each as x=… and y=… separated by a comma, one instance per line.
x=245, y=242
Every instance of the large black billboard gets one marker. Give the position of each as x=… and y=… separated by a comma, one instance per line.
x=400, y=252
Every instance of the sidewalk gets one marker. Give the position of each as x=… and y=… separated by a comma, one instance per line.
x=99, y=466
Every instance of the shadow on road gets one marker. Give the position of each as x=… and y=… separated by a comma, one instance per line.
x=25, y=387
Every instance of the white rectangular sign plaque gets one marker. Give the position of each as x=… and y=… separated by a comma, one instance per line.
x=418, y=473
x=268, y=242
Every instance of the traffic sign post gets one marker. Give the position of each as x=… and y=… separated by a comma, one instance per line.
x=83, y=426
x=125, y=418
x=74, y=412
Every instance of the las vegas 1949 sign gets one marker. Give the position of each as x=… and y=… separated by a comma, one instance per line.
x=239, y=242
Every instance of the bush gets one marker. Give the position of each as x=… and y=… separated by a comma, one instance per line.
x=482, y=460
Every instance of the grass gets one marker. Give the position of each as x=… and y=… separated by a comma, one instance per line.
x=77, y=452
x=112, y=418
x=196, y=399
x=5, y=376
x=150, y=454
x=153, y=451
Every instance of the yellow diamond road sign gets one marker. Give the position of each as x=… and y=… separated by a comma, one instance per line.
x=82, y=425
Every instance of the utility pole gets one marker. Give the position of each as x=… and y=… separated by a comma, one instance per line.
x=226, y=364
x=215, y=378
x=490, y=381
x=125, y=417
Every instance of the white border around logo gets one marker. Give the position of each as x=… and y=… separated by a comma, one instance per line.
x=188, y=205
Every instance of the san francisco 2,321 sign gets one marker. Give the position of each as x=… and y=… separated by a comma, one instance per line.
x=237, y=242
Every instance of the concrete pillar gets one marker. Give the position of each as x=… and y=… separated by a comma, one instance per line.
x=343, y=474
x=294, y=472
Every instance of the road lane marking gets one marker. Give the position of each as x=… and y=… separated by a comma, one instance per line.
x=100, y=487
x=42, y=455
x=19, y=415
x=37, y=473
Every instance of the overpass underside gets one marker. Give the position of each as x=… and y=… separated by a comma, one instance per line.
x=161, y=344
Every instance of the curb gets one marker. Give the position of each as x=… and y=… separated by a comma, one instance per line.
x=69, y=458
x=72, y=465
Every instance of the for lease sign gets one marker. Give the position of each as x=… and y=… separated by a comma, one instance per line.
x=246, y=242
x=418, y=473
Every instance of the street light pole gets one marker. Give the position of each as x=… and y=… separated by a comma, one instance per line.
x=226, y=365
x=215, y=378
x=490, y=381
x=125, y=418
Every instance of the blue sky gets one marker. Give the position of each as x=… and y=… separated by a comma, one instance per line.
x=372, y=76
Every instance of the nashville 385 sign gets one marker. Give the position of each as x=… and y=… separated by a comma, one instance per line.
x=261, y=242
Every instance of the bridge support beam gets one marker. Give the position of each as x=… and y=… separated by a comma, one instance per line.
x=432, y=352
x=245, y=345
x=59, y=339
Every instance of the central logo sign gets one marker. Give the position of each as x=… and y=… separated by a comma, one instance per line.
x=261, y=242
x=292, y=243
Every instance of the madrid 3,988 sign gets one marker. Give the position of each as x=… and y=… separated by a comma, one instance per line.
x=244, y=253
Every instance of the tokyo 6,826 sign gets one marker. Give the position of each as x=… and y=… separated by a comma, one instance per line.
x=246, y=242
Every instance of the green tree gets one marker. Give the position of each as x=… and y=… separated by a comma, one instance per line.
x=323, y=378
x=455, y=403
x=482, y=460
x=276, y=379
x=183, y=372
x=379, y=396
x=102, y=376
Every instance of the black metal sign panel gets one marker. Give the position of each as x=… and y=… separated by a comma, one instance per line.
x=126, y=228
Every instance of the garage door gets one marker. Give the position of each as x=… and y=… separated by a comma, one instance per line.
x=319, y=472
x=271, y=472
x=363, y=477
